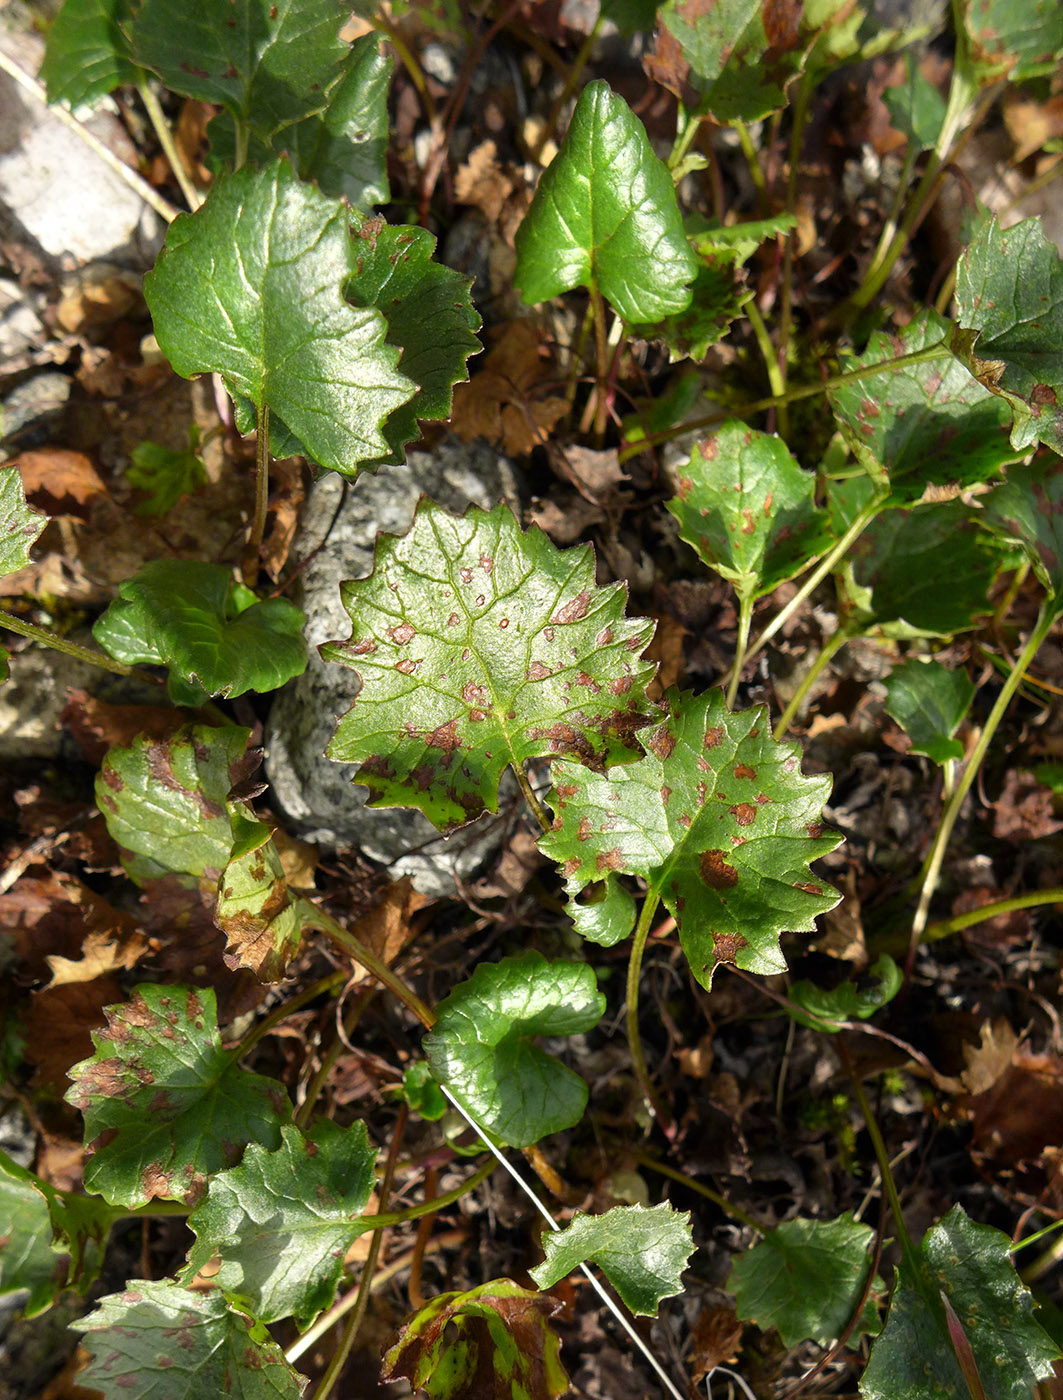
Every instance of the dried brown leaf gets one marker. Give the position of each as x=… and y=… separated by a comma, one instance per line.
x=482, y=182
x=499, y=403
x=101, y=953
x=58, y=481
x=97, y=726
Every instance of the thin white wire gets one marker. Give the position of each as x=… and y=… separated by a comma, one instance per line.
x=661, y=1373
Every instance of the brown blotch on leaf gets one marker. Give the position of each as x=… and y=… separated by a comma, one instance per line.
x=715, y=871
x=574, y=610
x=621, y=685
x=477, y=716
x=583, y=831
x=537, y=672
x=453, y=620
x=814, y=830
x=402, y=633
x=727, y=946
x=743, y=770
x=377, y=765
x=407, y=665
x=445, y=737
x=604, y=637
x=472, y=693
x=610, y=860
x=713, y=736
x=662, y=743
x=744, y=813
x=809, y=887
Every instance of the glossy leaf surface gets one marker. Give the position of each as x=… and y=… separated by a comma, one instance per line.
x=928, y=425
x=158, y=1341
x=718, y=820
x=479, y=645
x=971, y=1265
x=641, y=1251
x=27, y=1261
x=481, y=1047
x=825, y=1010
x=164, y=1105
x=929, y=701
x=1009, y=331
x=167, y=800
x=605, y=217
x=748, y=510
x=87, y=54
x=20, y=524
x=429, y=314
x=191, y=617
x=260, y=917
x=250, y=287
x=282, y=1221
x=805, y=1278
x=1028, y=511
x=493, y=1341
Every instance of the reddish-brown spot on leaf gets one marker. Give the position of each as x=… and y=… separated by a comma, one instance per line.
x=477, y=716
x=713, y=736
x=574, y=610
x=402, y=633
x=662, y=744
x=715, y=871
x=1043, y=394
x=727, y=946
x=744, y=813
x=583, y=679
x=762, y=799
x=486, y=563
x=453, y=620
x=584, y=829
x=377, y=766
x=814, y=830
x=610, y=860
x=710, y=448
x=465, y=575
x=743, y=770
x=621, y=685
x=666, y=793
x=445, y=737
x=685, y=488
x=472, y=693
x=422, y=777
x=748, y=523
x=537, y=672
x=548, y=633
x=408, y=665
x=480, y=600
x=809, y=887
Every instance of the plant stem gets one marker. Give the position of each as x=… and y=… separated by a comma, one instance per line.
x=243, y=140
x=770, y=358
x=165, y=138
x=437, y=1203
x=932, y=867
x=797, y=132
x=328, y=1060
x=827, y=652
x=262, y=460
x=746, y=142
x=517, y=769
x=277, y=1015
x=745, y=618
x=355, y=948
x=944, y=928
x=354, y=1322
x=601, y=406
x=647, y=1159
x=634, y=1039
x=49, y=639
x=686, y=128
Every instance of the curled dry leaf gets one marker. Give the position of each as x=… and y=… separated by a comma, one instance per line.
x=102, y=953
x=500, y=403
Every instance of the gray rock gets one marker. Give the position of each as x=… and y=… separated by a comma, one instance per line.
x=31, y=409
x=314, y=793
x=33, y=697
x=20, y=326
x=59, y=191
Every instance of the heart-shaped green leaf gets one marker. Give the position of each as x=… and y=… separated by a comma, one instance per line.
x=342, y=148
x=499, y=1331
x=478, y=646
x=1017, y=39
x=88, y=54
x=641, y=1252
x=158, y=1340
x=262, y=921
x=27, y=1261
x=827, y=1011
x=748, y=509
x=267, y=64
x=481, y=1045
x=605, y=217
x=250, y=287
x=929, y=701
x=282, y=1221
x=191, y=617
x=20, y=524
x=922, y=425
x=1009, y=331
x=164, y=1105
x=971, y=1266
x=916, y=107
x=720, y=823
x=1027, y=510
x=805, y=1278
x=429, y=314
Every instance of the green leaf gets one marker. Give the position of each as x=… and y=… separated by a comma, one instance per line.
x=168, y=799
x=267, y=64
x=719, y=822
x=282, y=1222
x=828, y=1010
x=1028, y=511
x=192, y=617
x=250, y=287
x=740, y=241
x=748, y=510
x=256, y=911
x=164, y=475
x=429, y=315
x=20, y=524
x=929, y=701
x=1009, y=331
x=422, y=1093
x=158, y=1341
x=27, y=1261
x=1018, y=39
x=916, y=107
x=922, y=425
x=717, y=299
x=87, y=55
x=164, y=1105
x=605, y=217
x=805, y=1278
x=914, y=1358
x=493, y=1341
x=342, y=148
x=642, y=1252
x=481, y=1046
x=479, y=645
x=921, y=572
x=630, y=16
